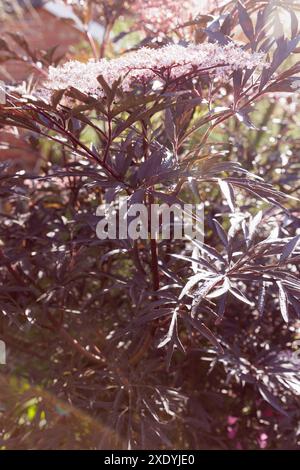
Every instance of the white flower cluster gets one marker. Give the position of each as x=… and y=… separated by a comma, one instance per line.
x=145, y=65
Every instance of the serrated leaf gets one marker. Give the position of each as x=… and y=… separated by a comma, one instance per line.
x=170, y=127
x=261, y=298
x=221, y=291
x=190, y=284
x=221, y=232
x=150, y=167
x=239, y=295
x=245, y=21
x=56, y=97
x=289, y=248
x=245, y=119
x=203, y=291
x=255, y=221
x=269, y=397
x=283, y=303
x=207, y=333
x=294, y=23
x=228, y=193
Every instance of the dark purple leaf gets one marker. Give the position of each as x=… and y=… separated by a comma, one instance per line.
x=245, y=21
x=289, y=248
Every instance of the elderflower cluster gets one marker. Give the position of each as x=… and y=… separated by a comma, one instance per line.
x=162, y=16
x=147, y=65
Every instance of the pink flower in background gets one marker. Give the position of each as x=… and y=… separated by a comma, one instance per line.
x=161, y=16
x=146, y=65
x=232, y=420
x=232, y=427
x=164, y=15
x=263, y=440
